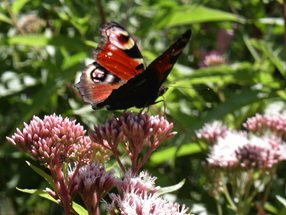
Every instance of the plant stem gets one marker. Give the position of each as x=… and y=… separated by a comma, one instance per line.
x=101, y=12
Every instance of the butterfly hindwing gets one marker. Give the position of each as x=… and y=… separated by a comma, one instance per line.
x=96, y=83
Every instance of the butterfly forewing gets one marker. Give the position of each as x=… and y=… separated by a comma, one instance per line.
x=163, y=64
x=119, y=53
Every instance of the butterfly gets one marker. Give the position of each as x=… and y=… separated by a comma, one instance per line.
x=118, y=78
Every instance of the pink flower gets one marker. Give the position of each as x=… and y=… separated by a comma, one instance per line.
x=60, y=143
x=143, y=183
x=213, y=58
x=136, y=132
x=223, y=152
x=93, y=182
x=212, y=131
x=138, y=196
x=261, y=152
x=263, y=123
x=49, y=139
x=237, y=150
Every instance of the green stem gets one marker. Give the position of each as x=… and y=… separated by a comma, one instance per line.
x=228, y=198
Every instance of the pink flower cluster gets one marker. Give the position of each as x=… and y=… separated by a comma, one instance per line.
x=211, y=132
x=54, y=139
x=213, y=59
x=265, y=123
x=253, y=149
x=138, y=195
x=76, y=161
x=136, y=132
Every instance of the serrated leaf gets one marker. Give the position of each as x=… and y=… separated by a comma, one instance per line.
x=170, y=189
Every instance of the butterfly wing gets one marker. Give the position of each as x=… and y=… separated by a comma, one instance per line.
x=118, y=52
x=143, y=89
x=117, y=59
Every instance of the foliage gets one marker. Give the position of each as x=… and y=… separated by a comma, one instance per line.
x=232, y=68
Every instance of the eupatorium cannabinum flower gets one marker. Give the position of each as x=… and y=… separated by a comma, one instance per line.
x=242, y=150
x=212, y=131
x=48, y=139
x=263, y=123
x=55, y=139
x=93, y=182
x=138, y=196
x=223, y=152
x=137, y=132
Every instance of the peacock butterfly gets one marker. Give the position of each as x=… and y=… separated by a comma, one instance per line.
x=118, y=79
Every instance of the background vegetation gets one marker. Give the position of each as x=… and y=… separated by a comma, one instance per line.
x=44, y=46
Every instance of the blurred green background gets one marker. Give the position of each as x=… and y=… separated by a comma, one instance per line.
x=233, y=67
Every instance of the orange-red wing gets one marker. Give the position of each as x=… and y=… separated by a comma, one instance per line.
x=118, y=52
x=96, y=84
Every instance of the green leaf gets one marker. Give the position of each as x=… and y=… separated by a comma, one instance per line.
x=40, y=193
x=29, y=40
x=18, y=5
x=4, y=18
x=41, y=40
x=196, y=14
x=77, y=207
x=171, y=152
x=170, y=189
x=281, y=200
x=40, y=172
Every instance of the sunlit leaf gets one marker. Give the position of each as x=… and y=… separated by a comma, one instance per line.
x=4, y=18
x=18, y=5
x=170, y=153
x=78, y=208
x=183, y=15
x=170, y=189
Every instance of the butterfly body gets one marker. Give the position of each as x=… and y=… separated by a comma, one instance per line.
x=118, y=78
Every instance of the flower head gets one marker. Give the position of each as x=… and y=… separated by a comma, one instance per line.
x=238, y=150
x=143, y=183
x=213, y=59
x=260, y=152
x=137, y=195
x=48, y=139
x=273, y=123
x=223, y=153
x=212, y=131
x=93, y=178
x=136, y=132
